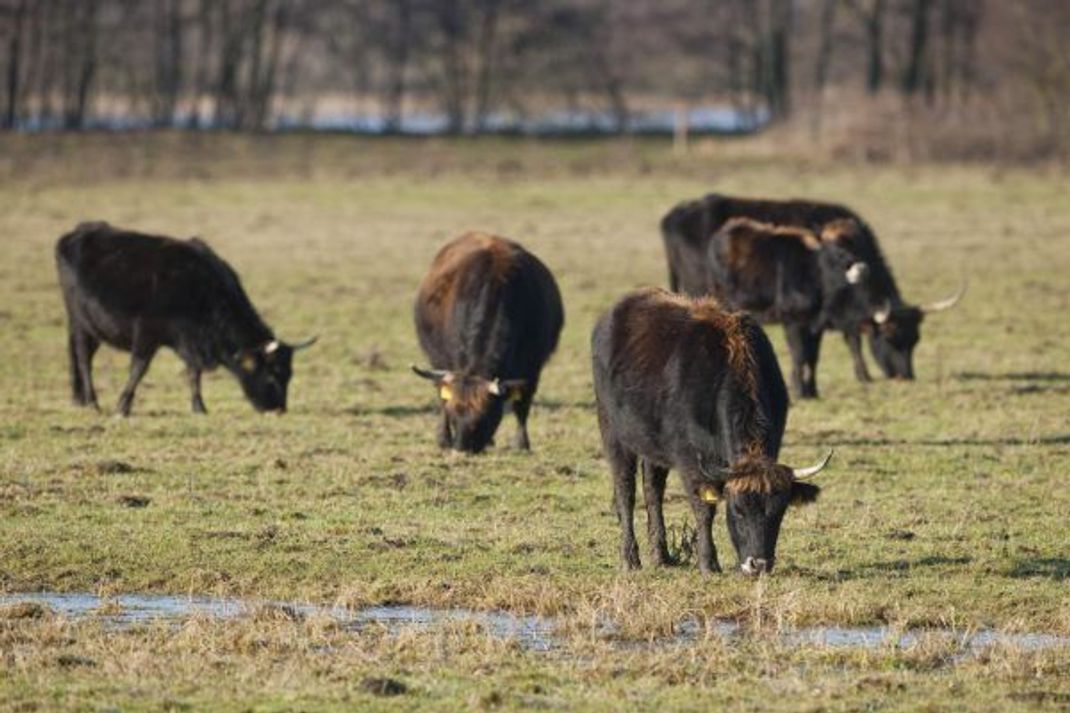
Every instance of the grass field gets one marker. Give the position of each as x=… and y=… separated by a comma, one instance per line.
x=945, y=506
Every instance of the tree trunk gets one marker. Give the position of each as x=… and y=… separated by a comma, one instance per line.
x=914, y=76
x=485, y=72
x=454, y=68
x=399, y=58
x=168, y=41
x=781, y=17
x=14, y=66
x=873, y=25
x=204, y=52
x=81, y=61
x=824, y=51
x=821, y=64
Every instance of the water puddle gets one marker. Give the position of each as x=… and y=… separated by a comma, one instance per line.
x=533, y=633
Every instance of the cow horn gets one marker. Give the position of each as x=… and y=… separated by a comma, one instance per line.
x=882, y=313
x=803, y=473
x=304, y=344
x=271, y=347
x=432, y=374
x=941, y=305
x=495, y=387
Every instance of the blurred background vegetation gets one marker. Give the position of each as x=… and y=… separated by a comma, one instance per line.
x=880, y=80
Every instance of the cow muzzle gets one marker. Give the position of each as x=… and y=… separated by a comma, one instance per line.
x=752, y=566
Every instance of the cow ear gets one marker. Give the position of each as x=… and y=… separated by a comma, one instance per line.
x=512, y=389
x=803, y=493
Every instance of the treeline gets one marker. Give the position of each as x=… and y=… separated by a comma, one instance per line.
x=246, y=64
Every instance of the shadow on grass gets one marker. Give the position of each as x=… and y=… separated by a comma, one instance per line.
x=1013, y=376
x=1026, y=382
x=1057, y=568
x=407, y=410
x=873, y=570
x=392, y=411
x=1050, y=440
x=556, y=405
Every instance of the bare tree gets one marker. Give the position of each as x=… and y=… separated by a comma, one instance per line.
x=17, y=22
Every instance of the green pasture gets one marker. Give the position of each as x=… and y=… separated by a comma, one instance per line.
x=946, y=504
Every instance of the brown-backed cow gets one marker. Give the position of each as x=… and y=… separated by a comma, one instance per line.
x=863, y=299
x=488, y=316
x=682, y=383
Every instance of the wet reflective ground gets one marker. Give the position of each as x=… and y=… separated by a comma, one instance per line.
x=533, y=633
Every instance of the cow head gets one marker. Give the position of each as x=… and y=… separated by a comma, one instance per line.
x=757, y=492
x=473, y=406
x=844, y=285
x=265, y=371
x=894, y=331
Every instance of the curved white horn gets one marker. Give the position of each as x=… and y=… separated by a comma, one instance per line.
x=271, y=347
x=305, y=343
x=803, y=473
x=432, y=374
x=881, y=315
x=941, y=305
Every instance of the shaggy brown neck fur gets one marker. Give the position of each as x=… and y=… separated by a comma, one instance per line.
x=755, y=473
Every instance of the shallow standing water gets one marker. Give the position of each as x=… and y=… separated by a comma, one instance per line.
x=533, y=633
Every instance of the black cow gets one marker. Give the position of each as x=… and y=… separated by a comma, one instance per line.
x=488, y=316
x=790, y=275
x=140, y=292
x=865, y=301
x=682, y=383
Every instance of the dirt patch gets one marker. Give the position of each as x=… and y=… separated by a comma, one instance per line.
x=24, y=610
x=75, y=661
x=383, y=686
x=134, y=501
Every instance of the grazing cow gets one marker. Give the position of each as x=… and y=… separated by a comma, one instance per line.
x=867, y=285
x=790, y=275
x=682, y=383
x=488, y=316
x=140, y=292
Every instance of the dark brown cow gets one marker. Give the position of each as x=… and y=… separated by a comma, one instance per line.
x=488, y=316
x=807, y=281
x=682, y=383
x=139, y=292
x=891, y=324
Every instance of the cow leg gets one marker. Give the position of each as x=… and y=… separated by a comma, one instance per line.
x=704, y=512
x=82, y=346
x=854, y=344
x=521, y=407
x=805, y=345
x=139, y=364
x=444, y=438
x=653, y=495
x=194, y=376
x=622, y=463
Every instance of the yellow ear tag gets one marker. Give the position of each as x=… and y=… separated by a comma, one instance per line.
x=445, y=393
x=707, y=494
x=248, y=362
x=515, y=394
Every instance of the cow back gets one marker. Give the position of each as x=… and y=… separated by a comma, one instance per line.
x=488, y=307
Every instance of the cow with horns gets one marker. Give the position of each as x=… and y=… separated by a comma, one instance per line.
x=682, y=383
x=810, y=265
x=139, y=292
x=488, y=316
